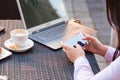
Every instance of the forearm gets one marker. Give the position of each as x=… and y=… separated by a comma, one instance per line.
x=82, y=69
x=112, y=72
x=103, y=49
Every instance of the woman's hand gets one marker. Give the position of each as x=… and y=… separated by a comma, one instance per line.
x=95, y=45
x=73, y=52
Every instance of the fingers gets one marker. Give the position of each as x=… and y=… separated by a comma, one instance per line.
x=77, y=46
x=66, y=49
x=66, y=52
x=88, y=37
x=65, y=46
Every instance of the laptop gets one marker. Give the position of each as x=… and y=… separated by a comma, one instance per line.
x=46, y=21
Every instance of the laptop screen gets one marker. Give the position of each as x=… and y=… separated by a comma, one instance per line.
x=36, y=12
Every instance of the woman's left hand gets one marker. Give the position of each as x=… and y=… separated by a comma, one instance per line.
x=73, y=52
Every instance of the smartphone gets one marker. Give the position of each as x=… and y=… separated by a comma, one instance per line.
x=77, y=39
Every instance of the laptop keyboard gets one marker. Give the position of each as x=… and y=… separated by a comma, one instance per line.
x=55, y=31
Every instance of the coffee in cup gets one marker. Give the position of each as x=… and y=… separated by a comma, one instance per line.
x=19, y=37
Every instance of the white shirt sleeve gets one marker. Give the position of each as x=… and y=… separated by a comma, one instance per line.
x=109, y=54
x=83, y=70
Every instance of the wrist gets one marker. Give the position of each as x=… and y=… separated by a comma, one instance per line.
x=76, y=60
x=103, y=50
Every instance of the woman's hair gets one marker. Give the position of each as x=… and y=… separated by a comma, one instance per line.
x=113, y=15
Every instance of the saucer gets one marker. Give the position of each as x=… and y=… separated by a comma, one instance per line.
x=5, y=53
x=11, y=46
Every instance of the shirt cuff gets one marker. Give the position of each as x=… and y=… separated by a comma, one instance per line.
x=109, y=54
x=81, y=60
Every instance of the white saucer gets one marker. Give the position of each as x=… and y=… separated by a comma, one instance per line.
x=8, y=43
x=5, y=53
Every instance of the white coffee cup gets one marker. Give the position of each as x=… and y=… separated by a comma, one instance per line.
x=19, y=37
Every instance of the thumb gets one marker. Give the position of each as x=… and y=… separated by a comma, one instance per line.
x=65, y=46
x=77, y=46
x=88, y=37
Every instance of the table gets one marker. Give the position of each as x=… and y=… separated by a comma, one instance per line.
x=39, y=62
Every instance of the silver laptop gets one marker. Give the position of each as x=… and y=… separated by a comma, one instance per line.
x=46, y=21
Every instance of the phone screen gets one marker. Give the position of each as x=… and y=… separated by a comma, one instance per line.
x=77, y=39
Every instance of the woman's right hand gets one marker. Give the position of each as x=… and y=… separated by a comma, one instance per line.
x=94, y=45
